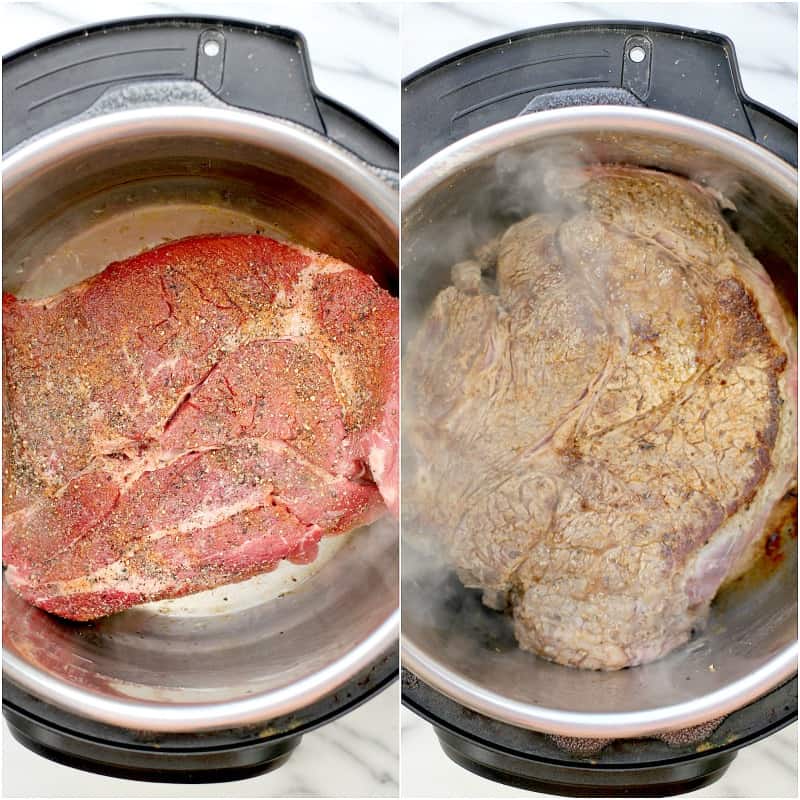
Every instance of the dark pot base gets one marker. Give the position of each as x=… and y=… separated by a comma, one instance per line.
x=202, y=757
x=644, y=767
x=206, y=765
x=577, y=782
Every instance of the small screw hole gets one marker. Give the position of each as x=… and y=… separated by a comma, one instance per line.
x=637, y=54
x=211, y=48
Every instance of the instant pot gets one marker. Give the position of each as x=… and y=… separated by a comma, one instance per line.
x=117, y=138
x=650, y=95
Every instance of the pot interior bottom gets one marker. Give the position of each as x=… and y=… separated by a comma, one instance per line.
x=124, y=221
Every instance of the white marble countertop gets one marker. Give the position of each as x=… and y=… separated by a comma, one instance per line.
x=765, y=37
x=354, y=53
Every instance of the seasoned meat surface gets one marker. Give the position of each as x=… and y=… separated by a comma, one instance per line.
x=596, y=441
x=190, y=417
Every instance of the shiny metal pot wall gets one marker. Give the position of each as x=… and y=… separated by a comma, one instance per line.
x=458, y=199
x=108, y=187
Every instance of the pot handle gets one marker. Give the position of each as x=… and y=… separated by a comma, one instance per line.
x=688, y=72
x=253, y=67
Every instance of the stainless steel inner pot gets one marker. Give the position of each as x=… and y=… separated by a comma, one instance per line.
x=457, y=200
x=105, y=188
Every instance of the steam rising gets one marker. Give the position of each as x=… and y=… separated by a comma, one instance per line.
x=455, y=243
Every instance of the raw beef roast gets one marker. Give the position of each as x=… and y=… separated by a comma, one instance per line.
x=602, y=415
x=190, y=417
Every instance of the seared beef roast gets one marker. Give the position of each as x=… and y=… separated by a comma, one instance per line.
x=601, y=412
x=190, y=417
